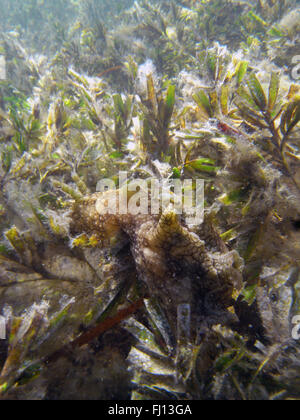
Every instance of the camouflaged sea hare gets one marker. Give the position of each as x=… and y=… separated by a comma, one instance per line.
x=179, y=266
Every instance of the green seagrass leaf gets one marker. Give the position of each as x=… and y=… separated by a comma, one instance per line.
x=257, y=92
x=273, y=91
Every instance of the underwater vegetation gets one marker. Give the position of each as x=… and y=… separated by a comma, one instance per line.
x=147, y=306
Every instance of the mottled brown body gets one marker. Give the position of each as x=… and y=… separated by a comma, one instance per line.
x=177, y=265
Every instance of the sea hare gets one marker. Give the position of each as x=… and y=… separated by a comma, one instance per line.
x=179, y=265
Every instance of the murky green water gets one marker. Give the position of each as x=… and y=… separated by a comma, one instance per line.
x=152, y=100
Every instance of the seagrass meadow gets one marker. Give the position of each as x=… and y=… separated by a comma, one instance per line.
x=147, y=307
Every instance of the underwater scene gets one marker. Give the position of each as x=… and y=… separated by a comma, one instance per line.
x=150, y=200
